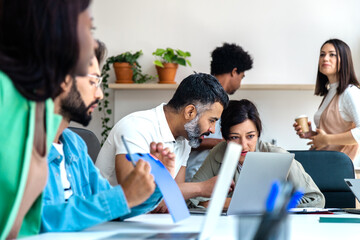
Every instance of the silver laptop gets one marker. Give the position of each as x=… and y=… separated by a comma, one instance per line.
x=354, y=185
x=217, y=201
x=259, y=171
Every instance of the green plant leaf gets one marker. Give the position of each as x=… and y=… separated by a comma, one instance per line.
x=158, y=63
x=168, y=58
x=180, y=53
x=181, y=61
x=159, y=52
x=170, y=51
x=188, y=62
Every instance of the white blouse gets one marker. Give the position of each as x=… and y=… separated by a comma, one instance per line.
x=349, y=107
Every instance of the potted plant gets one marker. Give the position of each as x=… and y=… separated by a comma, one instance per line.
x=127, y=69
x=167, y=63
x=134, y=75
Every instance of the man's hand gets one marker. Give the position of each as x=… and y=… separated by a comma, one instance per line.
x=139, y=185
x=164, y=155
x=161, y=208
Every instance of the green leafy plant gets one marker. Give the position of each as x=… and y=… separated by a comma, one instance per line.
x=138, y=77
x=132, y=59
x=103, y=105
x=170, y=55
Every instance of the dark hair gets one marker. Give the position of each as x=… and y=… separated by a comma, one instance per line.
x=228, y=57
x=100, y=51
x=39, y=44
x=346, y=72
x=237, y=112
x=198, y=88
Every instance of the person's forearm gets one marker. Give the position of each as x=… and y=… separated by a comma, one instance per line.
x=146, y=206
x=191, y=189
x=80, y=213
x=345, y=138
x=208, y=143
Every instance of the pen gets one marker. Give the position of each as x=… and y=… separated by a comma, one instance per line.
x=128, y=150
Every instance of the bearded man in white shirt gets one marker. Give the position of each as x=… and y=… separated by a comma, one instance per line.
x=180, y=125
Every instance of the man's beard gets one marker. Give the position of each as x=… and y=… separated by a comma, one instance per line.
x=192, y=129
x=73, y=107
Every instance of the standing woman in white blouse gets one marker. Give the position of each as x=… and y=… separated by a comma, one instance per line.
x=338, y=117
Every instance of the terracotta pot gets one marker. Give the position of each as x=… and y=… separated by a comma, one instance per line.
x=167, y=73
x=123, y=72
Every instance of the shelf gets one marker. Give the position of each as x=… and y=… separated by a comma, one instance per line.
x=277, y=87
x=156, y=86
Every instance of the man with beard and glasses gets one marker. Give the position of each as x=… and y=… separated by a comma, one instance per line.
x=76, y=195
x=228, y=64
x=180, y=125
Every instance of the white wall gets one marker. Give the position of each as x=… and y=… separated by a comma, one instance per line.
x=283, y=37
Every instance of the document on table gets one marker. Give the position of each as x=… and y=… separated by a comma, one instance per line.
x=310, y=211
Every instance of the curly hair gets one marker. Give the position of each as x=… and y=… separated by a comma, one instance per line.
x=228, y=57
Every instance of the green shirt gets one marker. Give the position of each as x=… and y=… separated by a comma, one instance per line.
x=17, y=116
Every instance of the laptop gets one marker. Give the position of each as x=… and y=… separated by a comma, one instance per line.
x=354, y=185
x=259, y=171
x=218, y=197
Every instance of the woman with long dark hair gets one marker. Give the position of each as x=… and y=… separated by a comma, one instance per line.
x=40, y=43
x=241, y=123
x=338, y=117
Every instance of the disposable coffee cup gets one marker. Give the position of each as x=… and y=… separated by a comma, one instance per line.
x=302, y=120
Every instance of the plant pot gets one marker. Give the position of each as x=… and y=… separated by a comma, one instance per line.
x=167, y=73
x=123, y=72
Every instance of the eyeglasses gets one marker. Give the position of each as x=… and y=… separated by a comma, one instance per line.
x=99, y=79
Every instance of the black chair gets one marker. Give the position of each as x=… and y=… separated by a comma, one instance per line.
x=328, y=170
x=90, y=139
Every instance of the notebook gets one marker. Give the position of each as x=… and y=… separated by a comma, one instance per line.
x=218, y=197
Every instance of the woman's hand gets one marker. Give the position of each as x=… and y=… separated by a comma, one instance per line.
x=319, y=141
x=299, y=131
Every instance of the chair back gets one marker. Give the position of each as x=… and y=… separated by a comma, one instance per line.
x=91, y=141
x=328, y=170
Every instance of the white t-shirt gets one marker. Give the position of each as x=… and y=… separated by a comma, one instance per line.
x=349, y=107
x=63, y=175
x=140, y=129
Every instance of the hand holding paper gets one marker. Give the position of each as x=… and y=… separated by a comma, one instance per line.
x=167, y=185
x=164, y=155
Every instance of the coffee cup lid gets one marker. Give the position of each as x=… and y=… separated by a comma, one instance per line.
x=301, y=116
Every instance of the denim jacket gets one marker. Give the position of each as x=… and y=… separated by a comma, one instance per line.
x=93, y=200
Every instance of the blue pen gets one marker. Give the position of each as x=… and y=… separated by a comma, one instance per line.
x=274, y=192
x=297, y=195
x=128, y=150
